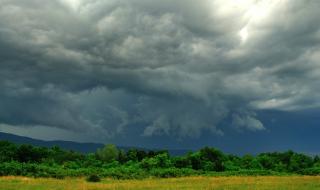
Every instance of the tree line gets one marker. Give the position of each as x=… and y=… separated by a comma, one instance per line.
x=109, y=161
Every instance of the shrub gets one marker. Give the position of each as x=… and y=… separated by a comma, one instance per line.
x=172, y=172
x=310, y=171
x=93, y=178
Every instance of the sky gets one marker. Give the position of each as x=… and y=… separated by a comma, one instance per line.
x=240, y=75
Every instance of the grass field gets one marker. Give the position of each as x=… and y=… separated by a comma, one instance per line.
x=225, y=183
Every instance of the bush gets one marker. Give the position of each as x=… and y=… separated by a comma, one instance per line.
x=246, y=173
x=128, y=172
x=310, y=171
x=172, y=172
x=159, y=161
x=93, y=178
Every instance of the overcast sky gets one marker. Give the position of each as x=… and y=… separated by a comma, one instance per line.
x=237, y=74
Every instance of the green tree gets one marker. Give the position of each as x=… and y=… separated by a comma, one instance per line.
x=316, y=161
x=159, y=161
x=91, y=161
x=28, y=153
x=266, y=161
x=132, y=154
x=141, y=154
x=195, y=159
x=212, y=159
x=250, y=162
x=122, y=157
x=181, y=162
x=8, y=151
x=108, y=153
x=163, y=160
x=299, y=162
x=149, y=163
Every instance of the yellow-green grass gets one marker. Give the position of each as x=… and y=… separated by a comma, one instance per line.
x=219, y=183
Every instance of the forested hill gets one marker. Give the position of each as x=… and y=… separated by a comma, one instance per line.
x=70, y=145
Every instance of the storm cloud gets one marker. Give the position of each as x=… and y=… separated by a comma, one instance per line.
x=176, y=68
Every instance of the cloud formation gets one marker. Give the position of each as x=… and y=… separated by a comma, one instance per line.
x=176, y=67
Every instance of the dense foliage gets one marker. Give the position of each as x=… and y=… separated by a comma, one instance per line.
x=27, y=160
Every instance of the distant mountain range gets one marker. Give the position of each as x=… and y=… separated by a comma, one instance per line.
x=70, y=145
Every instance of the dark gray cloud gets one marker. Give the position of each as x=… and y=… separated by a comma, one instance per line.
x=175, y=67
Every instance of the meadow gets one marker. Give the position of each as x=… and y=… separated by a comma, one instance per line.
x=215, y=183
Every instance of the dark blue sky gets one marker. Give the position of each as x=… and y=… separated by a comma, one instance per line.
x=243, y=76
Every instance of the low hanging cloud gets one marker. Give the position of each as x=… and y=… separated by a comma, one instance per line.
x=176, y=67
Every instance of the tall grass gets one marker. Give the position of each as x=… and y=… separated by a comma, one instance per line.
x=219, y=183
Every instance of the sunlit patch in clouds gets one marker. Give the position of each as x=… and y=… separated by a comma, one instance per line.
x=73, y=4
x=244, y=34
x=171, y=67
x=251, y=13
